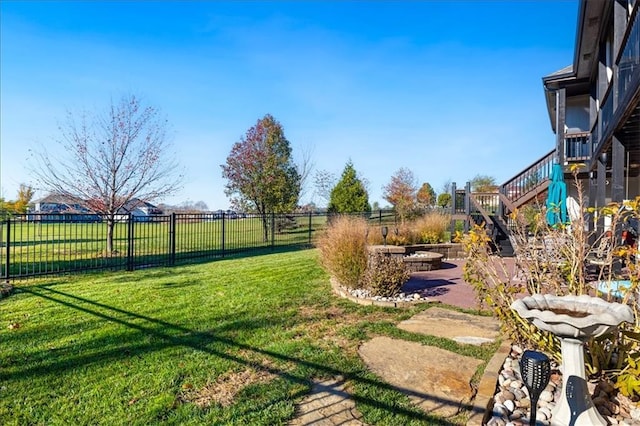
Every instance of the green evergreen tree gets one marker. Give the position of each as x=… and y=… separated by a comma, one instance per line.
x=349, y=195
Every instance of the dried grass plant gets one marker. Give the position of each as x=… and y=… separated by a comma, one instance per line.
x=343, y=250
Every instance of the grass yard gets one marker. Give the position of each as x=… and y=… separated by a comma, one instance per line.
x=236, y=341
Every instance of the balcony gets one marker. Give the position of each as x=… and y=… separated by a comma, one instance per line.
x=629, y=61
x=577, y=147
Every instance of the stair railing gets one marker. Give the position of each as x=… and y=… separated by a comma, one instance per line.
x=530, y=182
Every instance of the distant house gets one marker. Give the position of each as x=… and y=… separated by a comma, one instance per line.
x=61, y=208
x=141, y=211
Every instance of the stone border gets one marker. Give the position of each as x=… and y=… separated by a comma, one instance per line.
x=483, y=402
x=340, y=291
x=447, y=250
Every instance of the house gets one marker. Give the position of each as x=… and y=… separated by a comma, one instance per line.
x=594, y=109
x=141, y=211
x=58, y=207
x=594, y=104
x=62, y=208
x=594, y=112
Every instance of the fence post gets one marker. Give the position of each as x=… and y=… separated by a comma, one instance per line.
x=453, y=209
x=172, y=239
x=223, y=234
x=467, y=205
x=130, y=239
x=7, y=266
x=273, y=230
x=310, y=228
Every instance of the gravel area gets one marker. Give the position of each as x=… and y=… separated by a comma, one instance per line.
x=512, y=404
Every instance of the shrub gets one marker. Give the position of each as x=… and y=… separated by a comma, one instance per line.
x=343, y=250
x=560, y=268
x=385, y=275
x=431, y=227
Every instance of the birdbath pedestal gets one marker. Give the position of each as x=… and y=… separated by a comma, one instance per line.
x=574, y=320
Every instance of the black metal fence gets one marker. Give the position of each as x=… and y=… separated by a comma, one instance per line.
x=35, y=245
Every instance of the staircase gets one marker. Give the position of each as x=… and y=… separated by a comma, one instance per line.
x=494, y=209
x=532, y=182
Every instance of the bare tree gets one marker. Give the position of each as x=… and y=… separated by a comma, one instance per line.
x=324, y=181
x=111, y=157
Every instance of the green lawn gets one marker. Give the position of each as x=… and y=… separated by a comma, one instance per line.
x=235, y=341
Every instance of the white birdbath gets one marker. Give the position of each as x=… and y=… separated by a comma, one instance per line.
x=574, y=319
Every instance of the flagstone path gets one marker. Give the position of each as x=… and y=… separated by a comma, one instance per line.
x=436, y=380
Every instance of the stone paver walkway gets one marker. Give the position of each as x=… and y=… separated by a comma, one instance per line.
x=328, y=405
x=436, y=380
x=463, y=328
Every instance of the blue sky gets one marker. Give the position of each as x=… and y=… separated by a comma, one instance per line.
x=448, y=89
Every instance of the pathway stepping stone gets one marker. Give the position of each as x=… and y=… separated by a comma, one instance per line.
x=328, y=404
x=436, y=380
x=458, y=326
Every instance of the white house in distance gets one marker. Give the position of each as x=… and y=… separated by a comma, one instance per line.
x=57, y=207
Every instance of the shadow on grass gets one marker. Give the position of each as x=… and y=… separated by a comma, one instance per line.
x=172, y=335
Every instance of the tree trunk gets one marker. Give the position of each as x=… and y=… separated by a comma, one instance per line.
x=110, y=226
x=265, y=227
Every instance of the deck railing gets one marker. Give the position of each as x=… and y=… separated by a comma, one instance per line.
x=522, y=185
x=577, y=147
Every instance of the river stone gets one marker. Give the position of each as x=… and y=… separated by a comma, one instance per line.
x=436, y=380
x=464, y=328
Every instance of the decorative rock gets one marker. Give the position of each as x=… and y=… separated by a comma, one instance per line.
x=519, y=394
x=507, y=394
x=512, y=401
x=500, y=410
x=517, y=414
x=546, y=412
x=546, y=396
x=516, y=384
x=510, y=405
x=497, y=421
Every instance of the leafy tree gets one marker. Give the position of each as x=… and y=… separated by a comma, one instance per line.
x=25, y=194
x=401, y=192
x=426, y=196
x=5, y=209
x=375, y=206
x=444, y=200
x=110, y=158
x=483, y=183
x=260, y=172
x=349, y=195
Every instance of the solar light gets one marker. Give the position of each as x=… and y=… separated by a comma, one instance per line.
x=385, y=232
x=536, y=372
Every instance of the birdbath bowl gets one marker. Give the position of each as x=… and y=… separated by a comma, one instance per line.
x=574, y=320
